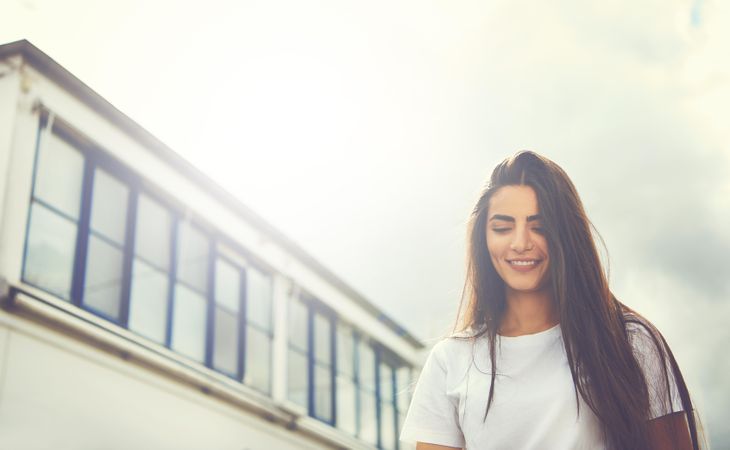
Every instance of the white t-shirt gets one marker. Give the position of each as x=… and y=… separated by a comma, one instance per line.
x=534, y=404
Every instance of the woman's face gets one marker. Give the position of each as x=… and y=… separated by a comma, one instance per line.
x=515, y=238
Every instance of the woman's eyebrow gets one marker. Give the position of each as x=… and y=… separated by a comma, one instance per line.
x=512, y=219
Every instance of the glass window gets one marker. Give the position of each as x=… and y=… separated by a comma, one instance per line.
x=225, y=349
x=258, y=334
x=387, y=425
x=148, y=301
x=227, y=285
x=51, y=246
x=366, y=371
x=109, y=207
x=258, y=359
x=322, y=339
x=298, y=324
x=297, y=378
x=152, y=236
x=345, y=351
x=346, y=405
x=368, y=419
x=403, y=384
x=258, y=298
x=103, y=282
x=192, y=258
x=386, y=382
x=387, y=407
x=323, y=392
x=188, y=323
x=59, y=175
x=150, y=278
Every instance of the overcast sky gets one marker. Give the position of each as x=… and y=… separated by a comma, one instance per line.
x=365, y=130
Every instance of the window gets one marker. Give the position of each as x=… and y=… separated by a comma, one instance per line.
x=107, y=236
x=226, y=317
x=190, y=298
x=259, y=329
x=55, y=213
x=311, y=377
x=97, y=239
x=298, y=353
x=368, y=424
x=346, y=380
x=150, y=289
x=403, y=393
x=322, y=367
x=387, y=406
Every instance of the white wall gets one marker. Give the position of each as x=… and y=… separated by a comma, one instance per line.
x=56, y=392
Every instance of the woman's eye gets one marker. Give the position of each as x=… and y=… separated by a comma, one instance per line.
x=540, y=230
x=500, y=230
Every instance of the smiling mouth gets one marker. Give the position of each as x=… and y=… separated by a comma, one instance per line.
x=523, y=262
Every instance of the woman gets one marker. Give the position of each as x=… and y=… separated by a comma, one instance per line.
x=546, y=356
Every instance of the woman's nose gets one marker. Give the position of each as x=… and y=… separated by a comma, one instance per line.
x=521, y=241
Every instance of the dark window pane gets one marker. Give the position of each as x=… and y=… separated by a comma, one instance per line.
x=387, y=425
x=188, y=323
x=152, y=238
x=50, y=251
x=323, y=392
x=345, y=347
x=346, y=405
x=258, y=298
x=227, y=285
x=59, y=174
x=148, y=303
x=322, y=339
x=109, y=206
x=297, y=324
x=367, y=366
x=258, y=360
x=103, y=282
x=368, y=419
x=192, y=258
x=225, y=352
x=297, y=378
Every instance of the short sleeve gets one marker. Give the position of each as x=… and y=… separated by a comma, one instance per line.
x=660, y=380
x=432, y=417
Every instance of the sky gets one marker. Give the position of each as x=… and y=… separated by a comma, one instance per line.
x=365, y=131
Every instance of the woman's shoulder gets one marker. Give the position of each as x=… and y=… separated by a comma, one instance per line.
x=643, y=336
x=455, y=348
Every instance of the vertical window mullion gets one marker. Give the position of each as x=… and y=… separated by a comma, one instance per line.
x=82, y=236
x=356, y=380
x=210, y=307
x=310, y=361
x=171, y=279
x=333, y=370
x=242, y=324
x=378, y=413
x=128, y=257
x=394, y=404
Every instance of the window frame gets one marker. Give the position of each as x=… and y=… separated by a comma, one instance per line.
x=95, y=157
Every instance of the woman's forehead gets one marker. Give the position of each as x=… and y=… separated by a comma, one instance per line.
x=519, y=201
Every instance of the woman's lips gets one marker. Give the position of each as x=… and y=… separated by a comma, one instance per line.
x=524, y=265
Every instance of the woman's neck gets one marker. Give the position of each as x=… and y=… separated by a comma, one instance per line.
x=528, y=313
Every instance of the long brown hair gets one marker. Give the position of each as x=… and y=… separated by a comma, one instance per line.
x=605, y=371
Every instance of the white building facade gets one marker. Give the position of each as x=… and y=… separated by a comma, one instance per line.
x=145, y=307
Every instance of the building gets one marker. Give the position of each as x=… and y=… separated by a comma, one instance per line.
x=145, y=307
